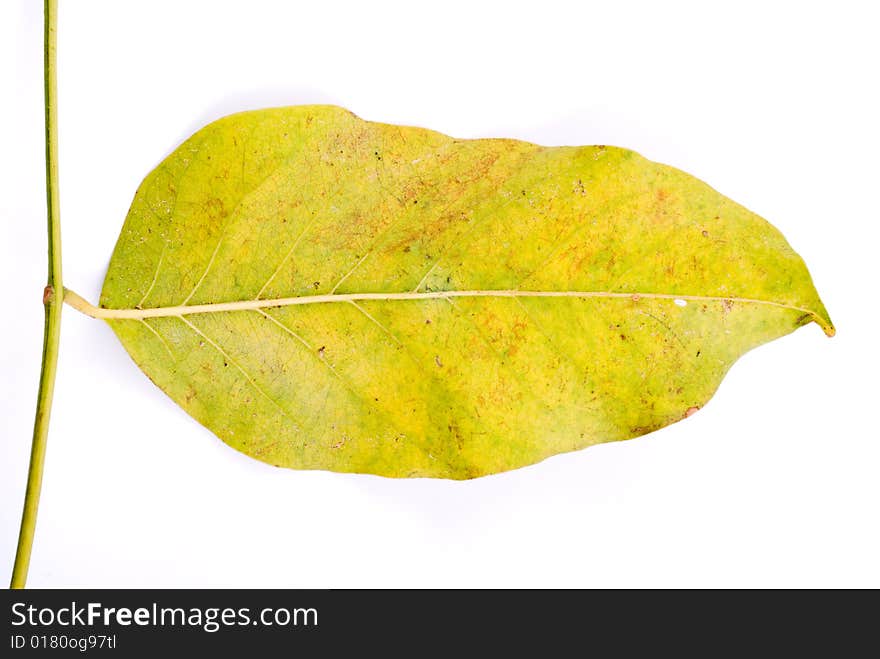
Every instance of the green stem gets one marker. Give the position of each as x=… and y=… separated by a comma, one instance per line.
x=52, y=302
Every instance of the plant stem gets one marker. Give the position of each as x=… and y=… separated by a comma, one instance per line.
x=52, y=303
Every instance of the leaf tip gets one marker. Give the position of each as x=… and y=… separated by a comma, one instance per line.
x=823, y=321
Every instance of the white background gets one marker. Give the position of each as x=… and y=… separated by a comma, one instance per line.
x=775, y=483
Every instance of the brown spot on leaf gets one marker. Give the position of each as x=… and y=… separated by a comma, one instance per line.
x=691, y=411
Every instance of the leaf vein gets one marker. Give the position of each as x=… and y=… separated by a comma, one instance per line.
x=140, y=304
x=240, y=368
x=204, y=274
x=159, y=336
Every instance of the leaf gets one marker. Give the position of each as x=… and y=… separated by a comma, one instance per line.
x=324, y=292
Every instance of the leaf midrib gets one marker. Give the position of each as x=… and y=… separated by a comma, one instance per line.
x=79, y=303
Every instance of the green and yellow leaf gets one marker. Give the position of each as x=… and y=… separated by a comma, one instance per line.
x=324, y=292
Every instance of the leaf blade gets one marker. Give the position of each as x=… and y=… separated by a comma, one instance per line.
x=590, y=247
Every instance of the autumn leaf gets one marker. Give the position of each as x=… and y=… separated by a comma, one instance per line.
x=324, y=292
